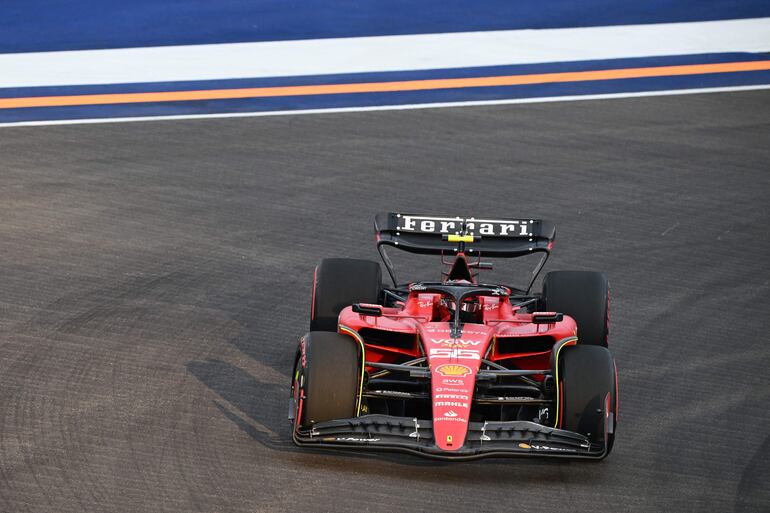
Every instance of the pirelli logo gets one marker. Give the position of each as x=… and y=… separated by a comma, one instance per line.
x=460, y=226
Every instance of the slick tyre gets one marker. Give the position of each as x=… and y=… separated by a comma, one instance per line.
x=588, y=388
x=328, y=377
x=340, y=282
x=584, y=296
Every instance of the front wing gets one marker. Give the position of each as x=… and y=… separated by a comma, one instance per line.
x=484, y=439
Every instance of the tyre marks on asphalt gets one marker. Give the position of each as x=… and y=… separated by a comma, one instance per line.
x=753, y=493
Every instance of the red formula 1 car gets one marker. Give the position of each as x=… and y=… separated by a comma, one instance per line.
x=457, y=368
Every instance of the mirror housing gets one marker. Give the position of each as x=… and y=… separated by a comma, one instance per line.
x=546, y=317
x=367, y=309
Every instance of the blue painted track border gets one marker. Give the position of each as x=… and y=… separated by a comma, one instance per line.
x=53, y=25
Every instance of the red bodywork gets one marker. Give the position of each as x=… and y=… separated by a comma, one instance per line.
x=500, y=334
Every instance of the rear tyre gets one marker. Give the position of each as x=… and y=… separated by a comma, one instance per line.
x=340, y=282
x=584, y=296
x=587, y=385
x=328, y=370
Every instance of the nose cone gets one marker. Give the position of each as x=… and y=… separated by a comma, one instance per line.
x=452, y=389
x=453, y=363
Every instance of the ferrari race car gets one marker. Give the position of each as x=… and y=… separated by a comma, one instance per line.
x=457, y=368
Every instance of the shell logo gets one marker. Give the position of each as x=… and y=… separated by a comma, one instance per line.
x=453, y=369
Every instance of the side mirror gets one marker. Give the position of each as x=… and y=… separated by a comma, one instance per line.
x=547, y=317
x=367, y=309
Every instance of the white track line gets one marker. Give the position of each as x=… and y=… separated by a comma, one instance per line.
x=380, y=54
x=673, y=92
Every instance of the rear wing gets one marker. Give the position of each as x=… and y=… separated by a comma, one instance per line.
x=435, y=235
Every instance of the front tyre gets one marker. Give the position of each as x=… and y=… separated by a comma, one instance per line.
x=587, y=388
x=326, y=378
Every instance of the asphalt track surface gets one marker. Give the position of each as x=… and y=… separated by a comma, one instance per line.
x=154, y=279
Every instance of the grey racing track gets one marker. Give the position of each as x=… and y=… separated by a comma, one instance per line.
x=155, y=277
